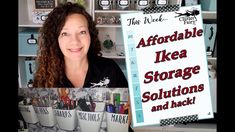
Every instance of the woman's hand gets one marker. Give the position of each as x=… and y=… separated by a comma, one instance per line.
x=128, y=106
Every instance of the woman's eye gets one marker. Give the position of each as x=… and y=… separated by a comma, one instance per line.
x=64, y=34
x=83, y=32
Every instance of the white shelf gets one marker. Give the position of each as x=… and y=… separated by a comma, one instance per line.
x=112, y=55
x=109, y=26
x=20, y=55
x=28, y=23
x=116, y=11
x=212, y=61
x=211, y=58
x=209, y=14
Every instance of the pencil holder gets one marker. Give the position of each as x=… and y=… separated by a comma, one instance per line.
x=66, y=119
x=45, y=115
x=117, y=122
x=89, y=121
x=28, y=113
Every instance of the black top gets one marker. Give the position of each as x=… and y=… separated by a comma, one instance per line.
x=102, y=72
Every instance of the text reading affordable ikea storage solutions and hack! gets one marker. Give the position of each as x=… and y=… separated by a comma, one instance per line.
x=167, y=66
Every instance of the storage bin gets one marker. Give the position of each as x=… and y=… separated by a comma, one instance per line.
x=117, y=122
x=28, y=42
x=45, y=115
x=66, y=119
x=90, y=121
x=28, y=113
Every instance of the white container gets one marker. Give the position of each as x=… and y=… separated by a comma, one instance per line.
x=45, y=115
x=141, y=4
x=66, y=119
x=89, y=121
x=28, y=113
x=117, y=122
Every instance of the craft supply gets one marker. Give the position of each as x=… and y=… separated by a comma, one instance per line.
x=110, y=108
x=116, y=99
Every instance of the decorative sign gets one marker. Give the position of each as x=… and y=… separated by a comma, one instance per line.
x=167, y=66
x=45, y=4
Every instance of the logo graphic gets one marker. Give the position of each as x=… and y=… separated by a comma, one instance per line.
x=102, y=83
x=189, y=16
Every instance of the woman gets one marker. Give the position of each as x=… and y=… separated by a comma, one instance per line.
x=69, y=52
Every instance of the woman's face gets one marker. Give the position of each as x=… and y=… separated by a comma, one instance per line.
x=74, y=39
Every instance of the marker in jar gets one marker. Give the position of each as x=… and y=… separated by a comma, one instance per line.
x=117, y=99
x=121, y=109
x=76, y=102
x=57, y=103
x=61, y=106
x=110, y=108
x=40, y=102
x=45, y=102
x=83, y=105
x=67, y=101
x=92, y=104
x=72, y=104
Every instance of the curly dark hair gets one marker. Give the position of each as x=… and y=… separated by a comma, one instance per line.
x=50, y=60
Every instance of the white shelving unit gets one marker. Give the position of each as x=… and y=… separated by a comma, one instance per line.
x=209, y=15
x=113, y=30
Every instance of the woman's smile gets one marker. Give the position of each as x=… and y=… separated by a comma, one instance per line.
x=75, y=49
